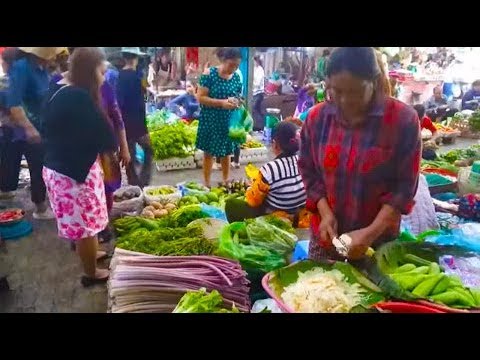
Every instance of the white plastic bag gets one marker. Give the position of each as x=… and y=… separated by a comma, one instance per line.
x=127, y=207
x=162, y=199
x=268, y=304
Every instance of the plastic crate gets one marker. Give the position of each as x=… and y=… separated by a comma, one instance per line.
x=176, y=164
x=257, y=155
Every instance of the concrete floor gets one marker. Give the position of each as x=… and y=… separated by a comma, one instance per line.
x=44, y=273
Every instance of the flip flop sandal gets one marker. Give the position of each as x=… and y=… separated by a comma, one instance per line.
x=88, y=281
x=4, y=286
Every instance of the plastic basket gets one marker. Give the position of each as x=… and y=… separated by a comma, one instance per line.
x=271, y=293
x=162, y=199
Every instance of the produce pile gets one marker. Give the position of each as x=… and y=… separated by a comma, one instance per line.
x=458, y=156
x=439, y=165
x=173, y=140
x=197, y=194
x=234, y=187
x=210, y=198
x=474, y=121
x=159, y=118
x=452, y=160
x=445, y=129
x=252, y=144
x=167, y=241
x=257, y=244
x=144, y=283
x=156, y=210
x=128, y=194
x=417, y=278
x=425, y=280
x=161, y=190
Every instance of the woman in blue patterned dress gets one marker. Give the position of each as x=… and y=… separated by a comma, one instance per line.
x=218, y=91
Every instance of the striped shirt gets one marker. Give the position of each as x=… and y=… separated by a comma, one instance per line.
x=286, y=186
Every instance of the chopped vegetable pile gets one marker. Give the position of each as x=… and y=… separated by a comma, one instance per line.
x=321, y=291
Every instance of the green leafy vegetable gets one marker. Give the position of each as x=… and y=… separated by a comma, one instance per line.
x=202, y=302
x=270, y=237
x=166, y=241
x=279, y=223
x=250, y=256
x=474, y=121
x=173, y=140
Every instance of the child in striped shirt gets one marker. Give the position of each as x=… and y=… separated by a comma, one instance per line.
x=279, y=186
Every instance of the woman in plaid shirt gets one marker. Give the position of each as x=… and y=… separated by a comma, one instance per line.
x=360, y=157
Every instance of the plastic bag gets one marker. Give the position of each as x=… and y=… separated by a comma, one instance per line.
x=266, y=304
x=127, y=207
x=214, y=212
x=162, y=199
x=241, y=122
x=467, y=268
x=186, y=191
x=249, y=256
x=466, y=236
x=139, y=154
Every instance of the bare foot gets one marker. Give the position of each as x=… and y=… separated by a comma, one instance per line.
x=101, y=274
x=101, y=254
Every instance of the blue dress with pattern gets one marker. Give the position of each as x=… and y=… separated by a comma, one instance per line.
x=212, y=136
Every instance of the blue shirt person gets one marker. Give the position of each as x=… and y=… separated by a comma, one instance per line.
x=28, y=85
x=472, y=94
x=186, y=105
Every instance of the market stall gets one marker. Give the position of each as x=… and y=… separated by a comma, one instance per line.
x=179, y=253
x=173, y=142
x=187, y=248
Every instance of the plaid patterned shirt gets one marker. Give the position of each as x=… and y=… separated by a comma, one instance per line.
x=359, y=169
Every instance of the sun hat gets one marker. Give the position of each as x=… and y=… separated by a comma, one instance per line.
x=45, y=53
x=132, y=50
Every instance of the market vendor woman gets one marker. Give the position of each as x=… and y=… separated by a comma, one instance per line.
x=359, y=157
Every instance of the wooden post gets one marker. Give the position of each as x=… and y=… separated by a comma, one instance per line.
x=251, y=65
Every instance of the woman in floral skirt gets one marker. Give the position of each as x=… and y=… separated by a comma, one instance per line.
x=76, y=132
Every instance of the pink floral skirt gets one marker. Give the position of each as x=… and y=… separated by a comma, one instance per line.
x=80, y=208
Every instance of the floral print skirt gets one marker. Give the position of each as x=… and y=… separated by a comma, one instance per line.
x=80, y=208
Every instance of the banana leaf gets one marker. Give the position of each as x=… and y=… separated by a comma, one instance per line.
x=389, y=256
x=281, y=278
